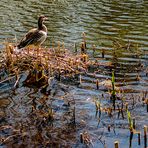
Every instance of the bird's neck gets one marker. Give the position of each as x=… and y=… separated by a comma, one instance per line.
x=41, y=26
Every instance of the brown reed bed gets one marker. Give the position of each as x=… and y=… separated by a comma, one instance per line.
x=43, y=63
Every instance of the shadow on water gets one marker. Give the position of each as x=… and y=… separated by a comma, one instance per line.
x=118, y=29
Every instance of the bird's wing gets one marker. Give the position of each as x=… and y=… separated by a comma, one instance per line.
x=31, y=37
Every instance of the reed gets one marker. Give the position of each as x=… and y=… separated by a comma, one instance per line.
x=139, y=139
x=98, y=108
x=103, y=53
x=97, y=84
x=75, y=48
x=116, y=143
x=81, y=137
x=113, y=93
x=58, y=62
x=94, y=50
x=145, y=136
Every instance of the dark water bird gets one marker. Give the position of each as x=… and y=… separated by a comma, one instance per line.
x=35, y=36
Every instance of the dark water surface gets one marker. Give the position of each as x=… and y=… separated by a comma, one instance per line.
x=108, y=24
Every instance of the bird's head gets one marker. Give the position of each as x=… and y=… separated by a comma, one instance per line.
x=42, y=18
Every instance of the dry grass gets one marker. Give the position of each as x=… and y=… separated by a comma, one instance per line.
x=43, y=63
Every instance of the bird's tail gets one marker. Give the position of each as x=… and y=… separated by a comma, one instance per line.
x=16, y=49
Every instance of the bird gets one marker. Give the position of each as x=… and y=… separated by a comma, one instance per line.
x=35, y=36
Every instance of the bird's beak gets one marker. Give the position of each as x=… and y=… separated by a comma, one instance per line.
x=45, y=18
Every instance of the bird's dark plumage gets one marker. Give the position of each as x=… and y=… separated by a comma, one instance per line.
x=35, y=36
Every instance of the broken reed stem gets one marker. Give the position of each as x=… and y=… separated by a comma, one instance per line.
x=145, y=136
x=84, y=58
x=131, y=137
x=83, y=49
x=81, y=137
x=134, y=124
x=146, y=102
x=139, y=139
x=8, y=54
x=99, y=111
x=75, y=48
x=126, y=106
x=103, y=53
x=109, y=128
x=98, y=108
x=84, y=39
x=74, y=116
x=122, y=113
x=119, y=111
x=116, y=144
x=97, y=84
x=94, y=49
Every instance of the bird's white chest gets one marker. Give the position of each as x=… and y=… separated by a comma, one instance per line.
x=44, y=36
x=43, y=32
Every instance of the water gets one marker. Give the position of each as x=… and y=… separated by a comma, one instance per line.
x=103, y=21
